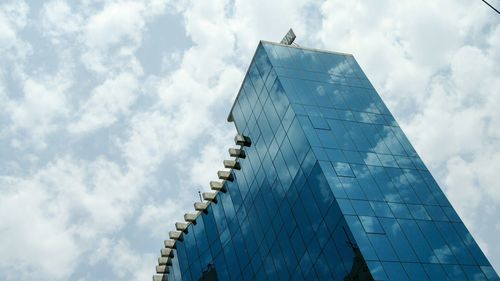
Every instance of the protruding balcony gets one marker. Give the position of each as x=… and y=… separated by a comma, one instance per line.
x=225, y=175
x=232, y=164
x=242, y=140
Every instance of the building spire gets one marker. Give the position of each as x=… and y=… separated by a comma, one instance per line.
x=289, y=38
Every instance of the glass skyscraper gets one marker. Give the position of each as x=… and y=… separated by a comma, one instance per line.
x=324, y=185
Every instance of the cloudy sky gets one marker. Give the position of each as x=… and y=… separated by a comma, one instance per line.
x=113, y=114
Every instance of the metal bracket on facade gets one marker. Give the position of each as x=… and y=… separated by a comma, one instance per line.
x=242, y=140
x=231, y=164
x=236, y=152
x=225, y=175
x=218, y=186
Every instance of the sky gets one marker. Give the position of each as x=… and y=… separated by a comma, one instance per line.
x=113, y=114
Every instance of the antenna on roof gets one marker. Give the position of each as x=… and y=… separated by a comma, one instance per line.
x=289, y=38
x=199, y=194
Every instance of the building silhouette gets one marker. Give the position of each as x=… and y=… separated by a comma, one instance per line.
x=323, y=185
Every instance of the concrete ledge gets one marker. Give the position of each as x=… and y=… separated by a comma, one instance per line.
x=225, y=175
x=181, y=226
x=191, y=217
x=175, y=235
x=209, y=196
x=162, y=269
x=160, y=278
x=201, y=206
x=165, y=261
x=167, y=252
x=218, y=186
x=236, y=152
x=242, y=140
x=169, y=243
x=231, y=164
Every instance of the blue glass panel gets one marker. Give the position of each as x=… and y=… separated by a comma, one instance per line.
x=335, y=155
x=342, y=136
x=416, y=271
x=371, y=159
x=320, y=189
x=400, y=211
x=346, y=207
x=382, y=247
x=332, y=179
x=418, y=212
x=436, y=213
x=352, y=188
x=435, y=271
x=470, y=243
x=398, y=240
x=320, y=154
x=455, y=242
x=376, y=270
x=362, y=208
x=353, y=157
x=417, y=241
x=438, y=244
x=309, y=131
x=361, y=238
x=262, y=63
x=490, y=273
x=371, y=224
x=381, y=209
x=455, y=272
x=395, y=271
x=367, y=182
x=321, y=268
x=333, y=217
x=385, y=184
x=343, y=169
x=474, y=272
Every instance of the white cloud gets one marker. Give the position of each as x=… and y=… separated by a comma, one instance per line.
x=107, y=102
x=117, y=21
x=13, y=17
x=158, y=217
x=434, y=69
x=58, y=19
x=43, y=100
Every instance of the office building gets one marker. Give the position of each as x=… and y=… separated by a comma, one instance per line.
x=322, y=185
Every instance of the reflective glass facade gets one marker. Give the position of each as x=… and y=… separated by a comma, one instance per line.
x=330, y=188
